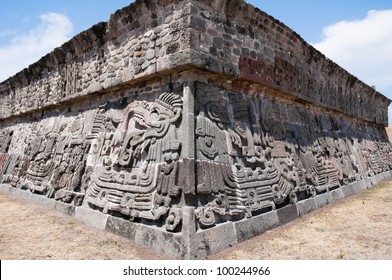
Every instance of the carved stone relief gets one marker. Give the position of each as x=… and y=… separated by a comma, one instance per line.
x=5, y=139
x=137, y=169
x=70, y=79
x=255, y=154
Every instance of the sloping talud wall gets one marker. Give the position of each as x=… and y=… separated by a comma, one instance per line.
x=189, y=126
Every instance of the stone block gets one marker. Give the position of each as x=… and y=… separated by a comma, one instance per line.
x=163, y=242
x=91, y=217
x=287, y=214
x=65, y=208
x=323, y=199
x=348, y=190
x=374, y=180
x=359, y=186
x=368, y=183
x=248, y=228
x=216, y=239
x=36, y=198
x=5, y=189
x=336, y=194
x=378, y=179
x=306, y=206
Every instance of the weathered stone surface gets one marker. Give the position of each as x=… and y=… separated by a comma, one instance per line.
x=91, y=217
x=306, y=206
x=337, y=194
x=248, y=228
x=214, y=240
x=359, y=186
x=163, y=242
x=348, y=190
x=323, y=199
x=287, y=214
x=196, y=124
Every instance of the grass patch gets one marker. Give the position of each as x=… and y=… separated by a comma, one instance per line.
x=107, y=242
x=340, y=256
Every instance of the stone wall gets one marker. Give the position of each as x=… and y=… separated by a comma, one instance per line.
x=245, y=42
x=210, y=119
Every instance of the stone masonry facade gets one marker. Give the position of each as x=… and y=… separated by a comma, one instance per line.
x=189, y=126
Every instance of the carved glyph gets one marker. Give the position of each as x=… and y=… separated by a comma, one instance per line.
x=138, y=163
x=255, y=154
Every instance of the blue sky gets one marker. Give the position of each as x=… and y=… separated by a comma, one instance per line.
x=357, y=34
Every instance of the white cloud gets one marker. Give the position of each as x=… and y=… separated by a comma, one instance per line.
x=23, y=50
x=363, y=47
x=7, y=32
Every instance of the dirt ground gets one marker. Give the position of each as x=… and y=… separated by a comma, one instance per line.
x=33, y=232
x=358, y=227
